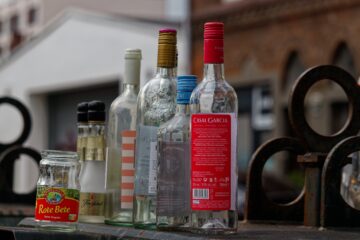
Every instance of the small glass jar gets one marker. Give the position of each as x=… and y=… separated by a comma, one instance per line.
x=58, y=191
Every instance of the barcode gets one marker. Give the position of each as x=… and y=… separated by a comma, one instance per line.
x=201, y=193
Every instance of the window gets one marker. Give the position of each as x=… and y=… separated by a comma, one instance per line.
x=62, y=112
x=293, y=69
x=14, y=24
x=32, y=16
x=344, y=59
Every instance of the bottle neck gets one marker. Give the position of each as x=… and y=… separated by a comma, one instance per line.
x=166, y=72
x=182, y=109
x=92, y=123
x=129, y=88
x=214, y=72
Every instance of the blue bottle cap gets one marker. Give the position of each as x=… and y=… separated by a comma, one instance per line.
x=185, y=86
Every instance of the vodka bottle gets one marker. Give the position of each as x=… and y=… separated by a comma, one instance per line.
x=83, y=129
x=173, y=173
x=92, y=178
x=121, y=145
x=156, y=105
x=213, y=106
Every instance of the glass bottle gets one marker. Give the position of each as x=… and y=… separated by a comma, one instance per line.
x=155, y=105
x=350, y=182
x=173, y=173
x=83, y=128
x=121, y=145
x=213, y=106
x=58, y=189
x=92, y=178
x=351, y=187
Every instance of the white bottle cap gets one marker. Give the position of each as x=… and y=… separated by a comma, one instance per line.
x=132, y=66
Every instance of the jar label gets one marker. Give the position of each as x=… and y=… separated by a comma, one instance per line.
x=92, y=204
x=213, y=161
x=57, y=204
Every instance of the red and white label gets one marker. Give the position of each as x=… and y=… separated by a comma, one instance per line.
x=127, y=168
x=213, y=161
x=57, y=204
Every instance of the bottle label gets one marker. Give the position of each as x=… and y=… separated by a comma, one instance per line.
x=95, y=148
x=80, y=147
x=146, y=160
x=113, y=168
x=153, y=168
x=57, y=204
x=92, y=204
x=213, y=161
x=173, y=196
x=127, y=169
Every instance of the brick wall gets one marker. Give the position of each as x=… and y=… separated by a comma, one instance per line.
x=314, y=33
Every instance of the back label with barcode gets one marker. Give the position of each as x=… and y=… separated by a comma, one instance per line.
x=200, y=193
x=213, y=161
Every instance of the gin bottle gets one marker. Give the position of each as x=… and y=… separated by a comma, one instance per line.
x=213, y=106
x=92, y=178
x=173, y=173
x=121, y=145
x=155, y=105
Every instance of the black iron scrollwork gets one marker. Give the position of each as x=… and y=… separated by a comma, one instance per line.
x=323, y=157
x=10, y=152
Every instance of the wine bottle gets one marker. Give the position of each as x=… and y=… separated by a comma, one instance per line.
x=121, y=145
x=173, y=173
x=92, y=179
x=213, y=106
x=156, y=105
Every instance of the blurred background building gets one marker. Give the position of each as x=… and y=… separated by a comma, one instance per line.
x=19, y=21
x=268, y=43
x=78, y=56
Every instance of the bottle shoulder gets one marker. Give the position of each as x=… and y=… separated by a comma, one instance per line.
x=177, y=122
x=158, y=84
x=124, y=101
x=212, y=86
x=157, y=89
x=157, y=101
x=214, y=97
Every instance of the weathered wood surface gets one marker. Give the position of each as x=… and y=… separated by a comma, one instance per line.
x=246, y=231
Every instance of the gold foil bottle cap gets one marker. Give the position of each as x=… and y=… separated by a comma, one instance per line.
x=167, y=48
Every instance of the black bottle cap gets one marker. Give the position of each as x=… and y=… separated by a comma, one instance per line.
x=82, y=112
x=96, y=111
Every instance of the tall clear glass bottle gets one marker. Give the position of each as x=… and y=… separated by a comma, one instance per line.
x=83, y=129
x=213, y=106
x=173, y=173
x=92, y=178
x=156, y=104
x=121, y=145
